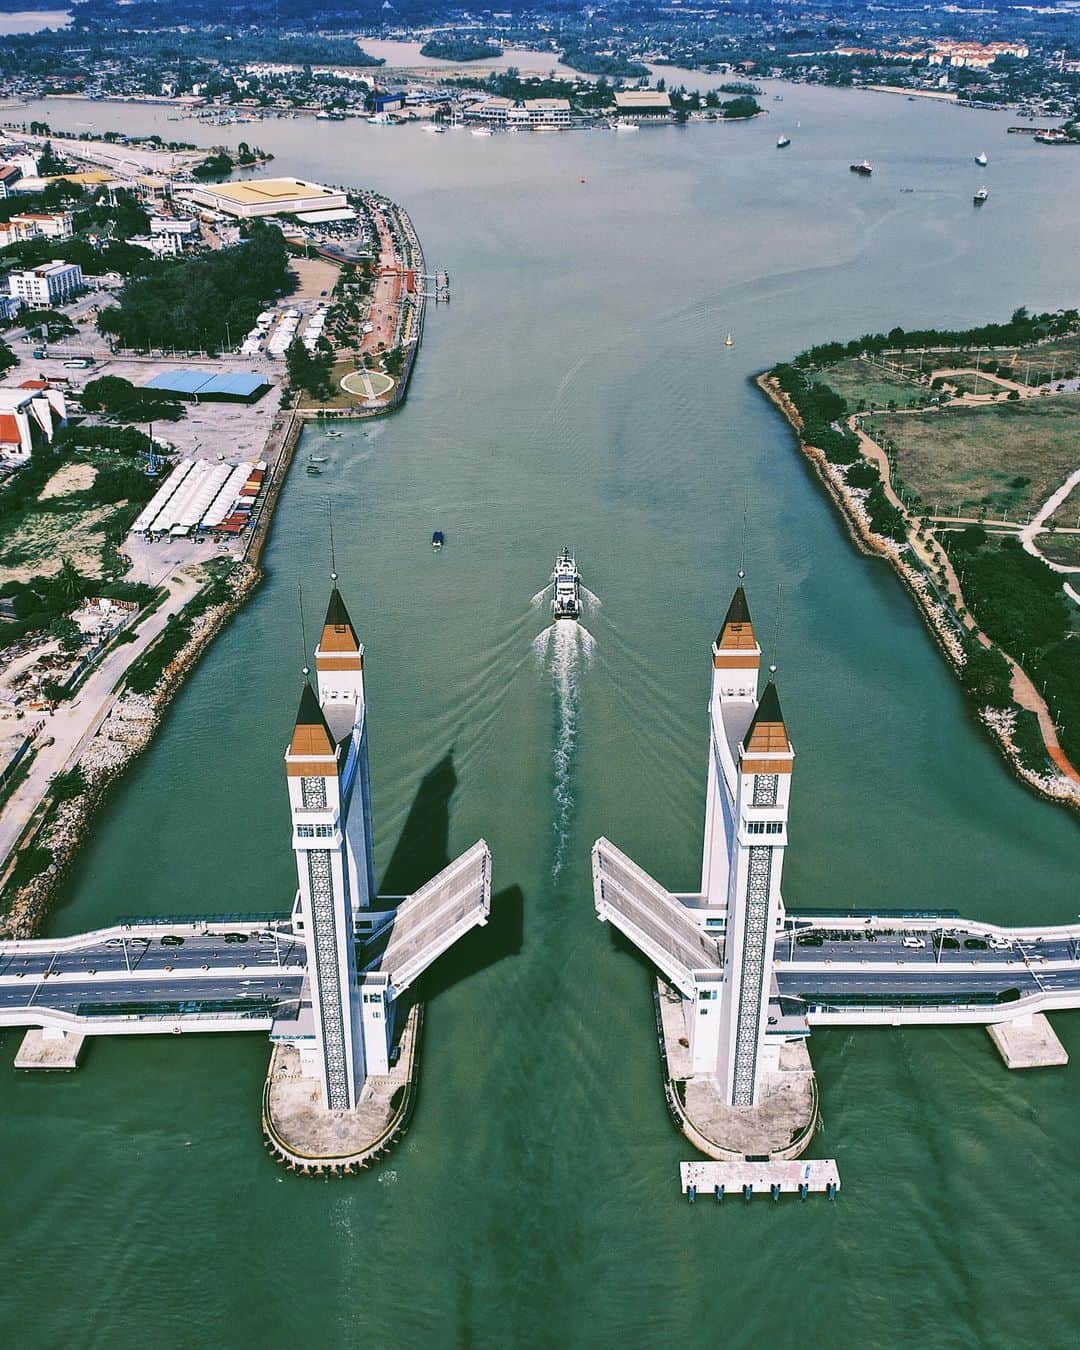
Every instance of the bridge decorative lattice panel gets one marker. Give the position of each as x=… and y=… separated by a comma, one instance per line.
x=752, y=973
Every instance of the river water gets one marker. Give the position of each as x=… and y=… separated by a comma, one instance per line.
x=578, y=391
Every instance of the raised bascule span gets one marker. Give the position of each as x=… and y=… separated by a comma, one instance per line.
x=327, y=979
x=744, y=979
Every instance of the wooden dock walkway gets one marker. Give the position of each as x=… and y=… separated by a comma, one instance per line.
x=718, y=1180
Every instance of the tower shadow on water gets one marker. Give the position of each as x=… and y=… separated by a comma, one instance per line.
x=421, y=852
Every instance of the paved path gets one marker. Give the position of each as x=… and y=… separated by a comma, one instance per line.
x=1028, y=533
x=72, y=724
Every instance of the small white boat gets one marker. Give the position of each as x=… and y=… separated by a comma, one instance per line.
x=981, y=196
x=480, y=131
x=623, y=125
x=380, y=119
x=981, y=159
x=782, y=142
x=434, y=128
x=729, y=341
x=566, y=597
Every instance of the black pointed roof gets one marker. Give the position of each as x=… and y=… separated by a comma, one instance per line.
x=738, y=614
x=767, y=730
x=309, y=714
x=338, y=633
x=337, y=616
x=768, y=708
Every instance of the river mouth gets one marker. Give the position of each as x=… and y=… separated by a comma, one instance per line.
x=578, y=391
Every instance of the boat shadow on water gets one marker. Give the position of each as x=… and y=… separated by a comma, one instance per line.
x=422, y=851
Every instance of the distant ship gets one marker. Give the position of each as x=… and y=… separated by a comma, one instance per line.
x=781, y=141
x=981, y=196
x=865, y=168
x=981, y=158
x=566, y=599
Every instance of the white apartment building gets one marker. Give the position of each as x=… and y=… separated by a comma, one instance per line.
x=36, y=225
x=534, y=114
x=49, y=284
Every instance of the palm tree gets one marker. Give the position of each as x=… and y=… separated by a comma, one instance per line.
x=69, y=581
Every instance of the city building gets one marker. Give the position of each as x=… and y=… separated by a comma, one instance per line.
x=9, y=176
x=643, y=103
x=50, y=284
x=531, y=114
x=977, y=55
x=29, y=415
x=186, y=230
x=269, y=197
x=36, y=225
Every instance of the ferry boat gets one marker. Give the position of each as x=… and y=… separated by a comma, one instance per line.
x=865, y=168
x=981, y=196
x=437, y=540
x=982, y=159
x=566, y=599
x=782, y=141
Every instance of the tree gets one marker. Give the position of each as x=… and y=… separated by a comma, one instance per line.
x=67, y=632
x=69, y=583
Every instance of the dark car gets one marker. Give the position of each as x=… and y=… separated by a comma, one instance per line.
x=171, y=940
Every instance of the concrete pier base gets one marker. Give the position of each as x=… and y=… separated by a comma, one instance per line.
x=307, y=1138
x=780, y=1127
x=1028, y=1042
x=49, y=1049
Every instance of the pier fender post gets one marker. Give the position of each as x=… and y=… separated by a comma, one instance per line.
x=719, y=1195
x=691, y=1193
x=747, y=1192
x=830, y=1190
x=775, y=1191
x=804, y=1190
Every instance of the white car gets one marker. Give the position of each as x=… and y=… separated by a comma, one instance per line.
x=998, y=944
x=915, y=943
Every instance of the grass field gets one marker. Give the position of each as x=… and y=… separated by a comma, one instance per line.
x=1005, y=456
x=1068, y=513
x=1061, y=548
x=862, y=381
x=1015, y=363
x=380, y=384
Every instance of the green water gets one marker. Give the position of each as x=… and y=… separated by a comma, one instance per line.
x=577, y=391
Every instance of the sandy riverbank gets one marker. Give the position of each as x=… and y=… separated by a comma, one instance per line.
x=999, y=723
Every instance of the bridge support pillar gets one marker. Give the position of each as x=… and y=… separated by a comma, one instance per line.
x=1028, y=1042
x=50, y=1048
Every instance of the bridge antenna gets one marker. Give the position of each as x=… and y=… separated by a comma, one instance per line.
x=330, y=522
x=303, y=634
x=776, y=629
x=742, y=546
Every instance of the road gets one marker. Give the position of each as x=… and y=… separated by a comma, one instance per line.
x=72, y=724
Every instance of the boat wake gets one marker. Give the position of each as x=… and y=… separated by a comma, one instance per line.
x=539, y=597
x=564, y=648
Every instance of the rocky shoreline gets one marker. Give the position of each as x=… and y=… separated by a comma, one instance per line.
x=998, y=723
x=122, y=737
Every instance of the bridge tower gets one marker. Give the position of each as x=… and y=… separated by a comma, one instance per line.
x=754, y=904
x=326, y=770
